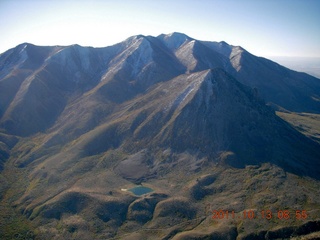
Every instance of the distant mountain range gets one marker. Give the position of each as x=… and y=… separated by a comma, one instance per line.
x=190, y=119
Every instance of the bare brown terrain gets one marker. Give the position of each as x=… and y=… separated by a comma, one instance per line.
x=191, y=120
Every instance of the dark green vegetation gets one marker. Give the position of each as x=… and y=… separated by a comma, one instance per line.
x=183, y=117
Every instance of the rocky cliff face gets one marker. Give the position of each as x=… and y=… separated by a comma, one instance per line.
x=80, y=124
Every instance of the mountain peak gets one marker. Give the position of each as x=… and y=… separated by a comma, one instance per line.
x=135, y=38
x=84, y=125
x=178, y=35
x=175, y=35
x=174, y=40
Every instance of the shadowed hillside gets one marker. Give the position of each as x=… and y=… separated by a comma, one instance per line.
x=187, y=118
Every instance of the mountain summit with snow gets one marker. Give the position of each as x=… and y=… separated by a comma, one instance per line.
x=192, y=120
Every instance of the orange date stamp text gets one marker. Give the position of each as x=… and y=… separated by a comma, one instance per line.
x=262, y=214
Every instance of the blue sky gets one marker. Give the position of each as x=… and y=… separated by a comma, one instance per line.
x=263, y=27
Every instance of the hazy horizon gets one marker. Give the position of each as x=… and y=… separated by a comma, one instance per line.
x=310, y=65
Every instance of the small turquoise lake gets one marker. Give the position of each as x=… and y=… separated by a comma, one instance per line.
x=140, y=190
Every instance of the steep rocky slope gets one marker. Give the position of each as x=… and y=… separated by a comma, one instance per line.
x=184, y=117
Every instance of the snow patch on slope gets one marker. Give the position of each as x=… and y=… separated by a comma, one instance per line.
x=14, y=60
x=183, y=95
x=192, y=84
x=185, y=55
x=23, y=55
x=174, y=40
x=136, y=55
x=235, y=58
x=66, y=58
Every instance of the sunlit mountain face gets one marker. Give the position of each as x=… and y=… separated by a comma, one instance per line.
x=225, y=144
